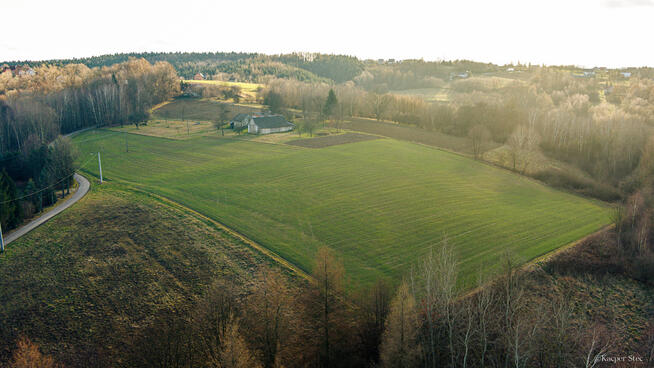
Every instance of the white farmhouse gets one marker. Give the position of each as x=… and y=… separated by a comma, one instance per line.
x=269, y=124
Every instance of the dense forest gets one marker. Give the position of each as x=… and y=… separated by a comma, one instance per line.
x=36, y=108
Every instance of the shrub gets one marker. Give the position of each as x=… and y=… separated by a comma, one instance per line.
x=642, y=268
x=578, y=184
x=28, y=355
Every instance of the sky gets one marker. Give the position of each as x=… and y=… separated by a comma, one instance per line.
x=612, y=33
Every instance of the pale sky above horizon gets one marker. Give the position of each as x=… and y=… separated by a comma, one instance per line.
x=613, y=33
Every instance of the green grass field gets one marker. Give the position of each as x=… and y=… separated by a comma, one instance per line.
x=379, y=204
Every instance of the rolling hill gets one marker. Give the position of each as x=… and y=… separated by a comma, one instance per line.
x=381, y=204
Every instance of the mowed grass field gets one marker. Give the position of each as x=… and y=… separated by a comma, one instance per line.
x=249, y=89
x=440, y=94
x=380, y=204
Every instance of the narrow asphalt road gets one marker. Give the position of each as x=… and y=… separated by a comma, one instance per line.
x=83, y=188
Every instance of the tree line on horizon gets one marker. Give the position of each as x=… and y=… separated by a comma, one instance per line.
x=376, y=75
x=302, y=66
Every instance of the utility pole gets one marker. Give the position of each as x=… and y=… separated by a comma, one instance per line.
x=100, y=167
x=2, y=241
x=188, y=132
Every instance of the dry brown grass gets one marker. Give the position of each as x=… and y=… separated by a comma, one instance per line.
x=332, y=140
x=97, y=273
x=172, y=129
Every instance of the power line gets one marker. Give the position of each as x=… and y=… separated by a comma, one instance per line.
x=2, y=159
x=63, y=178
x=49, y=186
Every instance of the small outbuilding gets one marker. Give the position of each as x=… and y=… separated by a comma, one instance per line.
x=239, y=121
x=269, y=124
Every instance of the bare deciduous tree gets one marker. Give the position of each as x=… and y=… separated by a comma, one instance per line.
x=328, y=273
x=479, y=136
x=523, y=144
x=379, y=104
x=372, y=312
x=437, y=289
x=400, y=347
x=597, y=345
x=270, y=316
x=233, y=352
x=484, y=300
x=211, y=319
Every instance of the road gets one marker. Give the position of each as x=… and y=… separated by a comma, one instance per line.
x=83, y=188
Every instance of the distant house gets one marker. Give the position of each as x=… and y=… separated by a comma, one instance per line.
x=198, y=76
x=583, y=74
x=239, y=121
x=18, y=70
x=269, y=124
x=24, y=70
x=463, y=75
x=626, y=74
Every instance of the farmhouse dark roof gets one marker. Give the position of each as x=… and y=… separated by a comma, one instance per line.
x=240, y=117
x=272, y=121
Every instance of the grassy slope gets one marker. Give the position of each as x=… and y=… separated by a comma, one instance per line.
x=205, y=109
x=380, y=204
x=83, y=283
x=173, y=129
x=592, y=276
x=438, y=94
x=412, y=134
x=249, y=89
x=623, y=306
